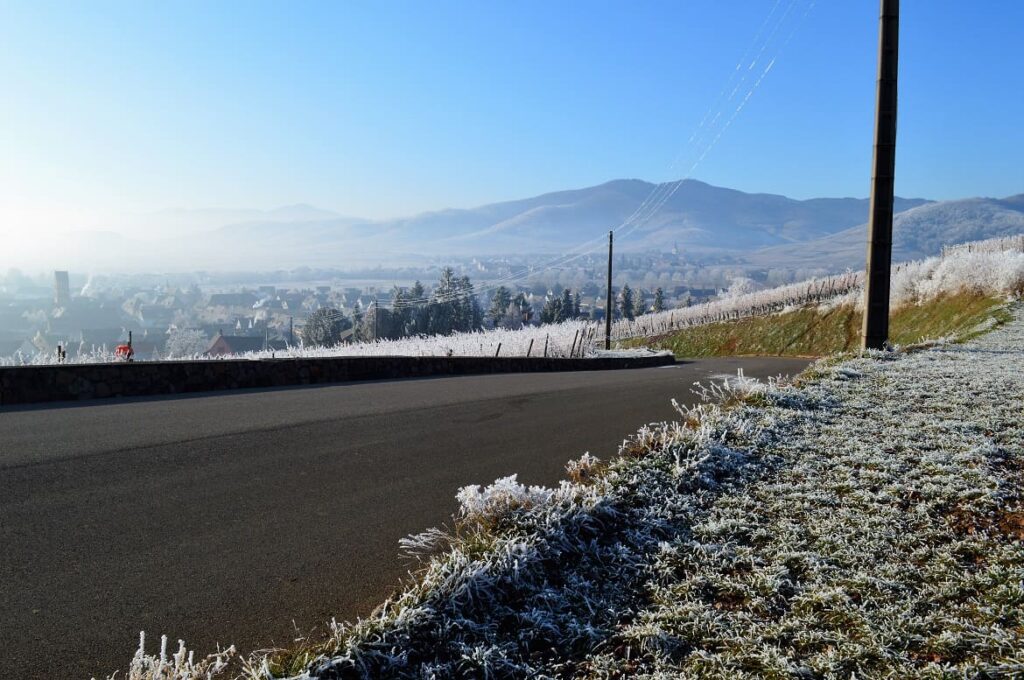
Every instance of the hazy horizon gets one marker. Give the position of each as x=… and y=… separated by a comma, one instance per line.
x=138, y=120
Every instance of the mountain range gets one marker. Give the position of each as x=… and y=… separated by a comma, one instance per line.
x=764, y=230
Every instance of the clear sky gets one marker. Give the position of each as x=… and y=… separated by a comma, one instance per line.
x=381, y=109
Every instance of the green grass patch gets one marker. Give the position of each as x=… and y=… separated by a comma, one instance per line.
x=812, y=331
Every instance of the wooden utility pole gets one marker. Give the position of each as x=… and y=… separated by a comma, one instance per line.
x=608, y=310
x=875, y=330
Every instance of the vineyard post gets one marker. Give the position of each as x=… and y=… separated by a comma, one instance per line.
x=529, y=349
x=875, y=330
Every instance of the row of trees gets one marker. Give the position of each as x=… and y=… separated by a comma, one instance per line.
x=630, y=307
x=451, y=307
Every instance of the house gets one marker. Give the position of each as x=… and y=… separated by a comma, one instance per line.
x=232, y=300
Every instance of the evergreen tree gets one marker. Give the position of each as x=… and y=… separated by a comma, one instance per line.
x=659, y=300
x=324, y=327
x=418, y=321
x=626, y=303
x=524, y=307
x=552, y=311
x=378, y=323
x=470, y=316
x=443, y=311
x=576, y=305
x=500, y=301
x=400, y=313
x=565, y=306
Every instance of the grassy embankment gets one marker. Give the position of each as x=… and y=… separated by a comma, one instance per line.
x=812, y=331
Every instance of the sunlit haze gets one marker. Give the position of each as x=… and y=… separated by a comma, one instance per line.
x=115, y=113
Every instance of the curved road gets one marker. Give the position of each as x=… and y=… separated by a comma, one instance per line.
x=254, y=517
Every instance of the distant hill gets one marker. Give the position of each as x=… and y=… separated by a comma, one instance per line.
x=918, y=232
x=692, y=213
x=762, y=229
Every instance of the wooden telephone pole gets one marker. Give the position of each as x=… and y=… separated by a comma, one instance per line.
x=608, y=309
x=875, y=331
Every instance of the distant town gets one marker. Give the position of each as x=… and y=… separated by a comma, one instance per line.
x=221, y=313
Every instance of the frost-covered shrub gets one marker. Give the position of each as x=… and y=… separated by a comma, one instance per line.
x=184, y=343
x=178, y=666
x=740, y=285
x=498, y=499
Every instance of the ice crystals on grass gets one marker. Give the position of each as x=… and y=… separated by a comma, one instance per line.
x=500, y=498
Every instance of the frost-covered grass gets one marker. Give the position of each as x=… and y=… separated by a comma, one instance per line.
x=988, y=268
x=826, y=329
x=866, y=521
x=179, y=665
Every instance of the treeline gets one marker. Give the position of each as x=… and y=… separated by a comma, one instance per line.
x=451, y=307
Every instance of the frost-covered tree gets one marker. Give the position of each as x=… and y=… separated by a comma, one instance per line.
x=454, y=306
x=324, y=327
x=512, y=319
x=659, y=301
x=377, y=323
x=552, y=311
x=517, y=313
x=418, y=316
x=740, y=285
x=469, y=315
x=500, y=301
x=186, y=342
x=566, y=307
x=627, y=305
x=524, y=306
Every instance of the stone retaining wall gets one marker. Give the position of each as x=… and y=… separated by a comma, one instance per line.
x=73, y=382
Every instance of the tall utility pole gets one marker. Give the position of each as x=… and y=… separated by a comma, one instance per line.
x=608, y=309
x=875, y=331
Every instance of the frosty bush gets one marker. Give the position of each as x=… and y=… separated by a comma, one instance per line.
x=179, y=666
x=498, y=499
x=186, y=343
x=741, y=285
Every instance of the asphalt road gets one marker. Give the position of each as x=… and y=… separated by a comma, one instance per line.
x=255, y=517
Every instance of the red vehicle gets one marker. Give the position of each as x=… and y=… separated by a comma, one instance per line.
x=124, y=352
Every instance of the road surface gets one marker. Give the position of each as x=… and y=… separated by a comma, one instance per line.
x=251, y=518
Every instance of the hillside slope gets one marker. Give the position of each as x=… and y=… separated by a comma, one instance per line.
x=819, y=331
x=918, y=232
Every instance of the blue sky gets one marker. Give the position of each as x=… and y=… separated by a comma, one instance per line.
x=389, y=108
